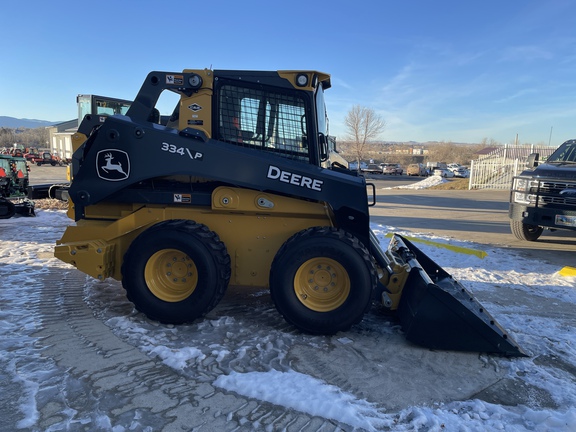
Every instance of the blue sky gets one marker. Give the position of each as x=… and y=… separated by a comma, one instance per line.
x=456, y=71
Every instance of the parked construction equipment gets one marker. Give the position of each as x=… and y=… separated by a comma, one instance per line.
x=13, y=187
x=242, y=185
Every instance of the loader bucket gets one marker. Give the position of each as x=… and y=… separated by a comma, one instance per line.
x=437, y=312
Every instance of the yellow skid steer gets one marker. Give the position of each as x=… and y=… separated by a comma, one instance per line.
x=242, y=185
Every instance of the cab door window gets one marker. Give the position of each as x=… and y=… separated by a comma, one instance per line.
x=264, y=120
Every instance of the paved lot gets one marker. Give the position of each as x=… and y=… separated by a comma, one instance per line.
x=47, y=174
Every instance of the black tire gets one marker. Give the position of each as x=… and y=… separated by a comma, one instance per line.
x=524, y=231
x=322, y=280
x=176, y=271
x=7, y=209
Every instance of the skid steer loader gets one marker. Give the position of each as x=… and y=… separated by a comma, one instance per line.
x=242, y=185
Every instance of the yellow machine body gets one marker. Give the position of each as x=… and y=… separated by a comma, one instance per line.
x=253, y=225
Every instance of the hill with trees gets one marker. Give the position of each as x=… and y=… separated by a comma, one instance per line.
x=12, y=122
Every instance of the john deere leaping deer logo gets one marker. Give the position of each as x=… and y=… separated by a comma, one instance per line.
x=113, y=165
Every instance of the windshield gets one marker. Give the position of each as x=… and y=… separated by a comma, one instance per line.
x=263, y=119
x=321, y=111
x=21, y=165
x=565, y=153
x=100, y=105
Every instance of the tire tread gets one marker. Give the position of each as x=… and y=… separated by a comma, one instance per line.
x=210, y=240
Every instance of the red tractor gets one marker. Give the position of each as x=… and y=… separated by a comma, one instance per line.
x=45, y=158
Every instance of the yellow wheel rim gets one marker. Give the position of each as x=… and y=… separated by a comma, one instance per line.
x=171, y=275
x=322, y=284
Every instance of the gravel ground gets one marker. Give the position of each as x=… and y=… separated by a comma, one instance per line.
x=50, y=204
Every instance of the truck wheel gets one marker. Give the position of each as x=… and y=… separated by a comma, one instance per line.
x=176, y=271
x=524, y=231
x=322, y=280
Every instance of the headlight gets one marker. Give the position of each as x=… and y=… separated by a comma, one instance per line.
x=523, y=190
x=302, y=80
x=521, y=184
x=522, y=198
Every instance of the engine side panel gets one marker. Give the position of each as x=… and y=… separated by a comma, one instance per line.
x=252, y=225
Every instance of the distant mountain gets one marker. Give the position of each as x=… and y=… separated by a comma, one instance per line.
x=11, y=122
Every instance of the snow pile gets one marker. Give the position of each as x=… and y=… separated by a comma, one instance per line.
x=292, y=390
x=434, y=180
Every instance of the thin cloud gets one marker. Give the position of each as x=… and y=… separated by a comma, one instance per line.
x=340, y=83
x=516, y=95
x=525, y=53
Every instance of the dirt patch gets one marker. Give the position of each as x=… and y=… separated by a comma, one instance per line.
x=453, y=184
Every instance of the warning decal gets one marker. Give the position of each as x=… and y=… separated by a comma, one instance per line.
x=175, y=79
x=183, y=198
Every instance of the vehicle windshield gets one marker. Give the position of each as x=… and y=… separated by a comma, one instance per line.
x=321, y=111
x=565, y=153
x=100, y=105
x=21, y=165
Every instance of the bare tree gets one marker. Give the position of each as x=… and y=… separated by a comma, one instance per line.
x=490, y=142
x=6, y=137
x=449, y=152
x=442, y=152
x=362, y=125
x=36, y=137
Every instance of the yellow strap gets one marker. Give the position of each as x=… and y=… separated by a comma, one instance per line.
x=568, y=271
x=479, y=253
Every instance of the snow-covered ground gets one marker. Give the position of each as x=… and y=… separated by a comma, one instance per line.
x=28, y=243
x=428, y=182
